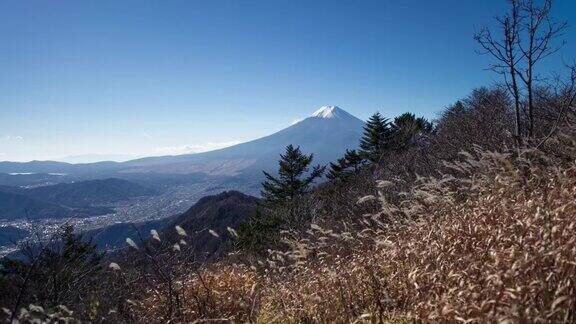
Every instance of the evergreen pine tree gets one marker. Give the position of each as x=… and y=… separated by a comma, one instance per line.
x=407, y=130
x=293, y=178
x=354, y=160
x=336, y=169
x=375, y=140
x=344, y=167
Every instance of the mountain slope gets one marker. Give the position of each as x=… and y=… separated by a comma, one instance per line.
x=20, y=203
x=215, y=212
x=90, y=192
x=227, y=209
x=327, y=134
x=15, y=206
x=114, y=236
x=67, y=199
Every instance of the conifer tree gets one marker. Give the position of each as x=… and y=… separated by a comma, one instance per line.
x=354, y=160
x=407, y=130
x=336, y=169
x=344, y=167
x=293, y=178
x=375, y=140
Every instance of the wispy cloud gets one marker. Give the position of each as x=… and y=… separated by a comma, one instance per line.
x=195, y=148
x=12, y=138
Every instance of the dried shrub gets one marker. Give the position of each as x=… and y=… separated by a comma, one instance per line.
x=493, y=240
x=220, y=293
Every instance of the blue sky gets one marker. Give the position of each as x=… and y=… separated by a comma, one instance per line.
x=138, y=77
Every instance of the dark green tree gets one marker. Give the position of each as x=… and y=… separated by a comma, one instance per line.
x=337, y=169
x=346, y=166
x=376, y=138
x=258, y=232
x=354, y=160
x=293, y=177
x=407, y=130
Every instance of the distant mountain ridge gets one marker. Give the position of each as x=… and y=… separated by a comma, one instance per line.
x=18, y=206
x=56, y=167
x=78, y=199
x=90, y=192
x=327, y=133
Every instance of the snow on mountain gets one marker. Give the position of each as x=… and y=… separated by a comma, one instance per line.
x=331, y=112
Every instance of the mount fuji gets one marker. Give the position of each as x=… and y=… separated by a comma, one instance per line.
x=327, y=133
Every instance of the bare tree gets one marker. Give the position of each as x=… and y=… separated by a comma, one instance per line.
x=508, y=56
x=528, y=37
x=560, y=101
x=540, y=31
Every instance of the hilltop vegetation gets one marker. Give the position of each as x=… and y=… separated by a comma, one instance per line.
x=492, y=241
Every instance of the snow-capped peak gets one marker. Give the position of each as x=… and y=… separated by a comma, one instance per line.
x=330, y=112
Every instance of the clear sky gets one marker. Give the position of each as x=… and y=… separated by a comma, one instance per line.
x=136, y=77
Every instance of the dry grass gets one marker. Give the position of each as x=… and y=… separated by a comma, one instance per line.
x=224, y=292
x=493, y=241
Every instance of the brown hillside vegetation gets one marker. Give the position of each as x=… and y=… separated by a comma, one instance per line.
x=493, y=240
